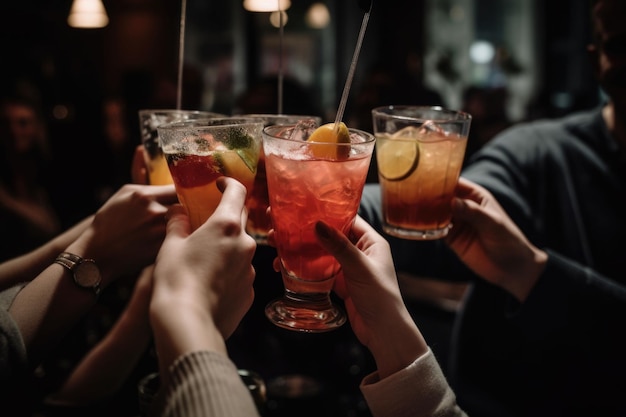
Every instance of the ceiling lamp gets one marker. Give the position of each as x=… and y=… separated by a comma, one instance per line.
x=88, y=14
x=266, y=5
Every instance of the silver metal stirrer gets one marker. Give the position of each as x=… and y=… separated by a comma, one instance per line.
x=181, y=54
x=367, y=6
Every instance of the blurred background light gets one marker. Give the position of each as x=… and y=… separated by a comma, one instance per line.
x=318, y=16
x=266, y=5
x=275, y=18
x=481, y=52
x=88, y=14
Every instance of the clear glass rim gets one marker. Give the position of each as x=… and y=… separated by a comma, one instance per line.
x=210, y=123
x=143, y=112
x=448, y=115
x=318, y=119
x=369, y=137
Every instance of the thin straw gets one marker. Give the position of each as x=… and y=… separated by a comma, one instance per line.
x=355, y=58
x=280, y=60
x=181, y=54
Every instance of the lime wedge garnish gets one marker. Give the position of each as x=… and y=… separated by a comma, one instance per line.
x=397, y=159
x=249, y=158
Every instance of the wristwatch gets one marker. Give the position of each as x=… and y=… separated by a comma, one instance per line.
x=85, y=272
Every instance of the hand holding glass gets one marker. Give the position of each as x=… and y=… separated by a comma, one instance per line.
x=310, y=181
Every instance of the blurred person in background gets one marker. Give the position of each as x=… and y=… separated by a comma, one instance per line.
x=552, y=352
x=28, y=214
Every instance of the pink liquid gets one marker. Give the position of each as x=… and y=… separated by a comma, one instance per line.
x=301, y=193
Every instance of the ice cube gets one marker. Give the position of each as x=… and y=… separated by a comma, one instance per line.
x=431, y=130
x=303, y=129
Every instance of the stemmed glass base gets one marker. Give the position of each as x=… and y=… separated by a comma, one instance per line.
x=311, y=312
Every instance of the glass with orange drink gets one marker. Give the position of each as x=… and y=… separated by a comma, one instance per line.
x=311, y=178
x=419, y=152
x=198, y=152
x=149, y=120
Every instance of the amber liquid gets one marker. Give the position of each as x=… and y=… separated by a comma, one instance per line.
x=422, y=202
x=259, y=223
x=201, y=198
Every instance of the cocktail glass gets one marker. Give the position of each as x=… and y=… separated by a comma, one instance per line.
x=259, y=223
x=419, y=152
x=311, y=181
x=199, y=152
x=149, y=120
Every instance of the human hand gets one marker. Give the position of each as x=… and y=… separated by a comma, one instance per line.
x=372, y=297
x=488, y=242
x=138, y=169
x=127, y=231
x=203, y=280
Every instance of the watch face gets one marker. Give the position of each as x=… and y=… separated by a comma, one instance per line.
x=87, y=274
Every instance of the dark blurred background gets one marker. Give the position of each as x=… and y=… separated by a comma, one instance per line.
x=531, y=48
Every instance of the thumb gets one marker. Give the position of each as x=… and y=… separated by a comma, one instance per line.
x=335, y=242
x=177, y=222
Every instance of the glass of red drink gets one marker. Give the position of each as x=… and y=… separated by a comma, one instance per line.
x=307, y=182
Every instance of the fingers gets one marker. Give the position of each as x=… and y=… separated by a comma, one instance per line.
x=469, y=190
x=231, y=208
x=138, y=171
x=233, y=196
x=335, y=242
x=164, y=194
x=178, y=222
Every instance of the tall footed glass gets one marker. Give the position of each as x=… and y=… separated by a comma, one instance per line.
x=311, y=181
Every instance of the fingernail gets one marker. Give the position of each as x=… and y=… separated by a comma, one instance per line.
x=323, y=230
x=220, y=185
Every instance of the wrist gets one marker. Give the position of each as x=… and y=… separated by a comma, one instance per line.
x=392, y=355
x=527, y=276
x=85, y=247
x=180, y=327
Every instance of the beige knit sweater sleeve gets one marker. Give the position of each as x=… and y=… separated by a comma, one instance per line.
x=207, y=384
x=419, y=390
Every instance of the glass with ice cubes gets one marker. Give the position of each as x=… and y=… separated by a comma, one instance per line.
x=419, y=152
x=311, y=180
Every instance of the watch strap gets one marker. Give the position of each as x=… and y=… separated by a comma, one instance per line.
x=70, y=261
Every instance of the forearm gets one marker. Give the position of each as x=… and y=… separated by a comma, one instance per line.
x=180, y=327
x=419, y=389
x=390, y=353
x=48, y=307
x=106, y=367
